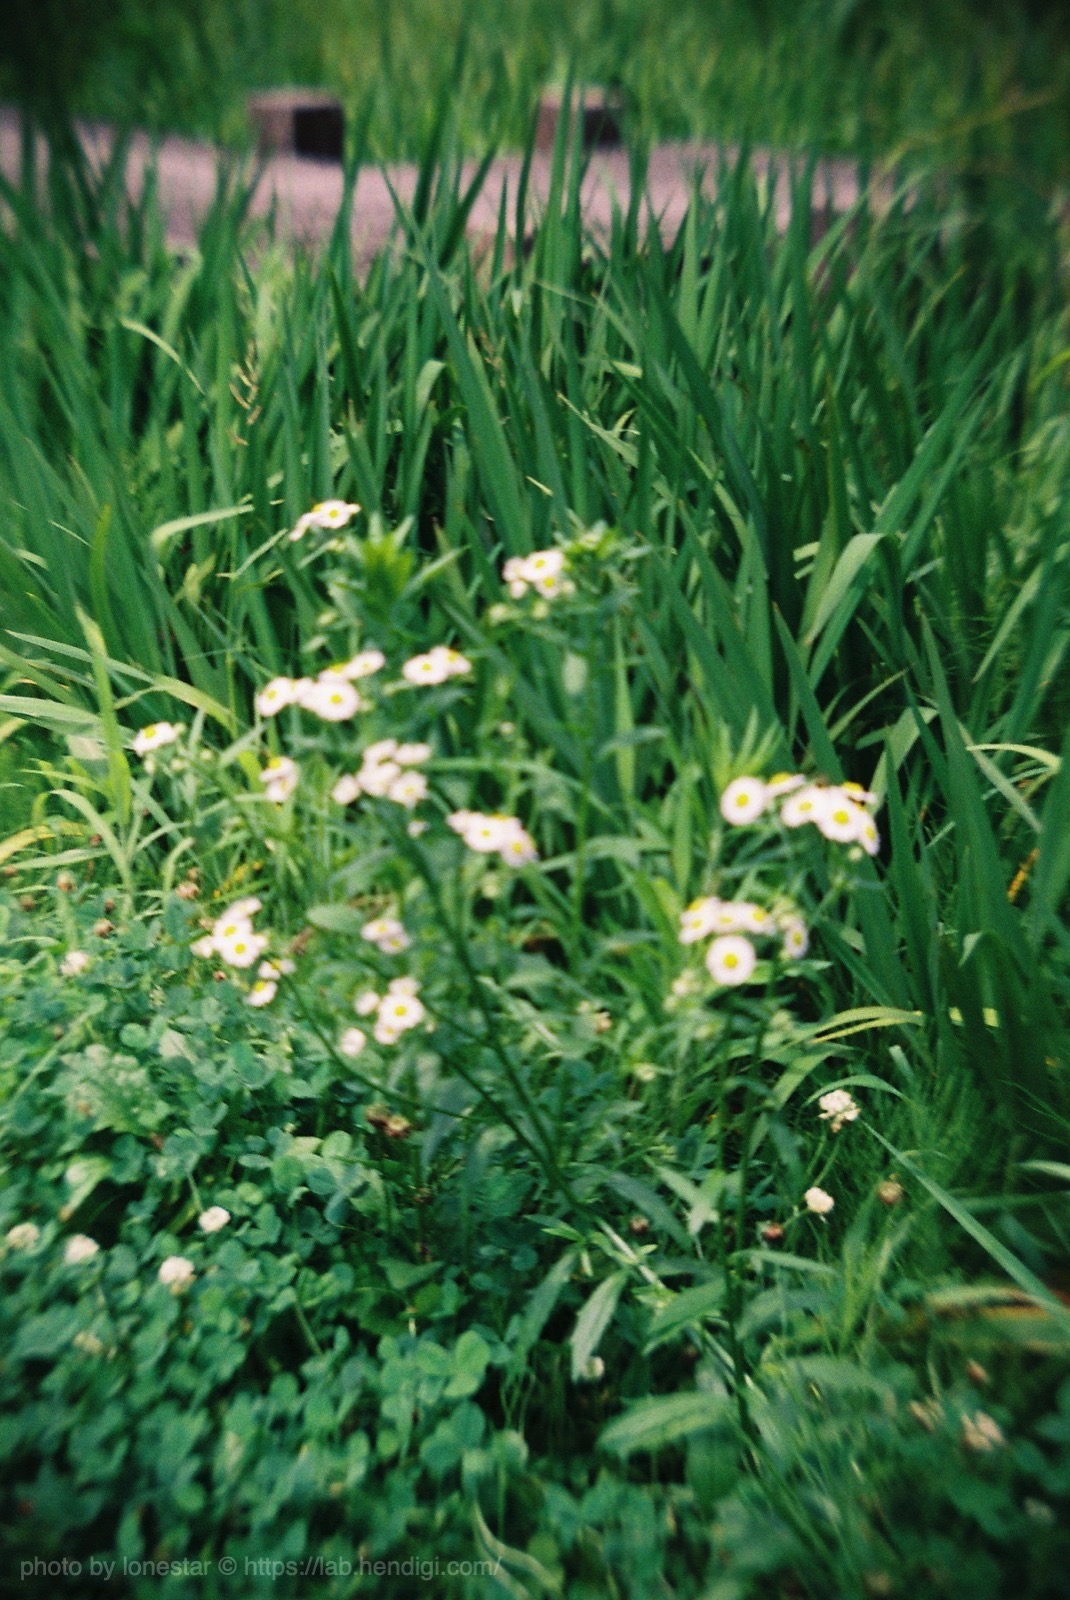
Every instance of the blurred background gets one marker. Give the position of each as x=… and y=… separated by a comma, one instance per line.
x=973, y=83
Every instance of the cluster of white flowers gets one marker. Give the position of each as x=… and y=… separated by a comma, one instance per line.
x=387, y=934
x=436, y=666
x=731, y=958
x=155, y=736
x=819, y=1201
x=213, y=1219
x=329, y=514
x=839, y=811
x=496, y=834
x=239, y=944
x=382, y=773
x=23, y=1236
x=398, y=1010
x=838, y=1107
x=330, y=696
x=280, y=778
x=79, y=1249
x=266, y=986
x=544, y=571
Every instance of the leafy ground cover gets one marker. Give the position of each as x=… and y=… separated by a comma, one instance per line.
x=534, y=982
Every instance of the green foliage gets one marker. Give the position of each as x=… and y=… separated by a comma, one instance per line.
x=537, y=1268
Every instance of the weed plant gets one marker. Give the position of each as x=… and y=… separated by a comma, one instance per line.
x=534, y=979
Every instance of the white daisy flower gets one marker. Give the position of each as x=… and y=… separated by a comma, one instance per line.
x=203, y=949
x=377, y=778
x=213, y=1219
x=408, y=790
x=514, y=576
x=782, y=783
x=362, y=665
x=425, y=669
x=154, y=737
x=331, y=514
x=397, y=1014
x=855, y=792
x=74, y=962
x=731, y=959
x=275, y=695
x=280, y=778
x=387, y=933
x=177, y=1273
x=351, y=1043
x=838, y=1107
x=744, y=800
x=403, y=985
x=459, y=820
x=487, y=834
x=518, y=847
x=332, y=698
x=243, y=949
x=79, y=1248
x=302, y=687
x=231, y=925
x=796, y=939
x=347, y=789
x=366, y=1003
x=869, y=836
x=411, y=755
x=818, y=1201
x=805, y=805
x=23, y=1236
x=277, y=967
x=243, y=909
x=382, y=750
x=751, y=918
x=262, y=992
x=841, y=819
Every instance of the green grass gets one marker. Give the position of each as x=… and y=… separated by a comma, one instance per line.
x=821, y=485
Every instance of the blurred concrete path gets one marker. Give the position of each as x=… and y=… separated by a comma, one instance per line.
x=306, y=194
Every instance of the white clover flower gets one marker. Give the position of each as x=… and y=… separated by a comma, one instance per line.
x=818, y=1201
x=243, y=949
x=387, y=933
x=838, y=1107
x=841, y=819
x=347, y=789
x=699, y=919
x=744, y=800
x=74, y=962
x=204, y=948
x=408, y=790
x=782, y=783
x=351, y=1043
x=331, y=514
x=796, y=940
x=731, y=959
x=332, y=698
x=154, y=737
x=411, y=755
x=594, y=1368
x=213, y=1219
x=366, y=1003
x=805, y=805
x=275, y=695
x=280, y=778
x=362, y=665
x=23, y=1236
x=79, y=1247
x=177, y=1273
x=262, y=992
